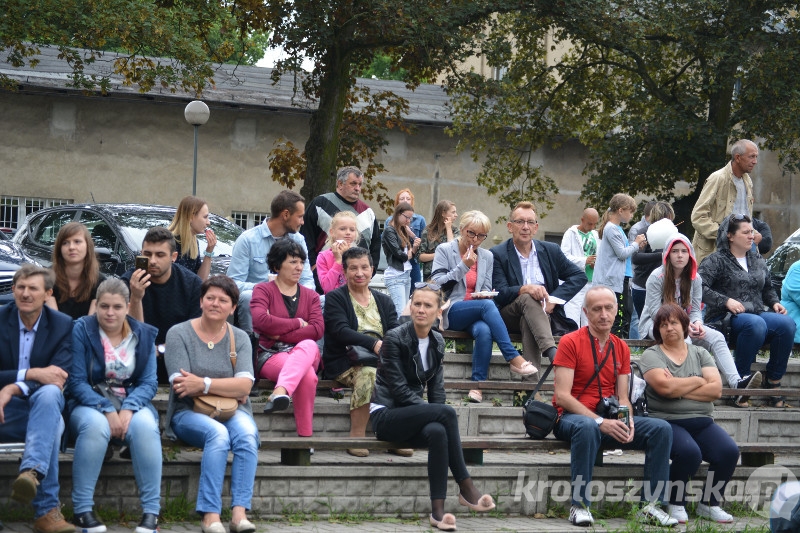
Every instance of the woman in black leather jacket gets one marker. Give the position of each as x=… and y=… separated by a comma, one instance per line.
x=399, y=413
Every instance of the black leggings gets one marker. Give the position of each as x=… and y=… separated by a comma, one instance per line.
x=427, y=425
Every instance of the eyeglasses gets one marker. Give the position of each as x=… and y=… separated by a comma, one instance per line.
x=406, y=216
x=423, y=285
x=521, y=223
x=471, y=234
x=739, y=217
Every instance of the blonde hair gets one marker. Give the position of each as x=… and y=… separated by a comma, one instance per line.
x=618, y=201
x=474, y=217
x=181, y=226
x=337, y=218
x=660, y=211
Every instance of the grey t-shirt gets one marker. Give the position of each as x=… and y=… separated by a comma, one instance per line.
x=672, y=408
x=740, y=207
x=185, y=350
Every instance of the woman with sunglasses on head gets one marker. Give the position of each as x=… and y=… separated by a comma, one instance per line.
x=736, y=283
x=464, y=268
x=399, y=245
x=412, y=358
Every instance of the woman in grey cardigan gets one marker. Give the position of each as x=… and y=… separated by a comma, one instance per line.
x=466, y=268
x=199, y=361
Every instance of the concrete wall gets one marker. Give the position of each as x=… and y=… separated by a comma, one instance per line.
x=138, y=149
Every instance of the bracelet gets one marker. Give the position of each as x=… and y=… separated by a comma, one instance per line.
x=208, y=254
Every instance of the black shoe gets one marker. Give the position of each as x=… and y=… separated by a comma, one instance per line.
x=149, y=524
x=276, y=403
x=88, y=523
x=751, y=381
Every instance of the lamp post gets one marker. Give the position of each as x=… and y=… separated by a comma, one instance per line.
x=196, y=114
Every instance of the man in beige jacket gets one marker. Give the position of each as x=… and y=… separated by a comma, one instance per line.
x=728, y=190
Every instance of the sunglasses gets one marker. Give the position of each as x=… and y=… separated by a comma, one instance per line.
x=738, y=218
x=423, y=285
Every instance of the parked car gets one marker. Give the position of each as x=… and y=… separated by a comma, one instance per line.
x=782, y=258
x=117, y=231
x=11, y=257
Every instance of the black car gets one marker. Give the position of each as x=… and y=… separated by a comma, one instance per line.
x=11, y=257
x=782, y=258
x=117, y=231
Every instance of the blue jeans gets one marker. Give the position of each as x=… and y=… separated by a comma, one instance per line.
x=652, y=435
x=92, y=432
x=37, y=421
x=416, y=273
x=399, y=288
x=482, y=319
x=749, y=332
x=238, y=434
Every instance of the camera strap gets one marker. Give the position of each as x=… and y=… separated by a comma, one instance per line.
x=598, y=367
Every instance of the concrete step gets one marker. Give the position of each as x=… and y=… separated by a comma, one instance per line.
x=381, y=484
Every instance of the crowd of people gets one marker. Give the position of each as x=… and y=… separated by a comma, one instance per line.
x=298, y=290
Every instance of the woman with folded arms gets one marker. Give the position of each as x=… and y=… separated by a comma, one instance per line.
x=199, y=362
x=412, y=358
x=468, y=268
x=111, y=348
x=288, y=320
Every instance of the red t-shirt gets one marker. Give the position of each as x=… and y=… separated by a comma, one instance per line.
x=575, y=352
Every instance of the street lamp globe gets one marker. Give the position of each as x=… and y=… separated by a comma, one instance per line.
x=196, y=114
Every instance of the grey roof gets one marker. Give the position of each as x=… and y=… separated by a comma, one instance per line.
x=238, y=86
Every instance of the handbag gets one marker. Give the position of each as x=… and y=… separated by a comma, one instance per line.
x=560, y=324
x=219, y=407
x=538, y=417
x=637, y=383
x=723, y=325
x=358, y=355
x=104, y=389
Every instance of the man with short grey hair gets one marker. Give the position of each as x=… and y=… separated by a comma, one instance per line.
x=320, y=211
x=728, y=190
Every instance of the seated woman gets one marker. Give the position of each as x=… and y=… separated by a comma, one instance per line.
x=442, y=229
x=682, y=384
x=354, y=316
x=342, y=235
x=790, y=296
x=190, y=220
x=77, y=272
x=199, y=361
x=736, y=281
x=111, y=348
x=288, y=320
x=466, y=266
x=412, y=359
x=676, y=281
x=399, y=245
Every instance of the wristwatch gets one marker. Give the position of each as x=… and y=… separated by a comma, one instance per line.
x=207, y=383
x=598, y=420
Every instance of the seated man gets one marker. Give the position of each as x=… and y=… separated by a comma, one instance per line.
x=350, y=312
x=592, y=364
x=35, y=345
x=164, y=295
x=526, y=273
x=248, y=264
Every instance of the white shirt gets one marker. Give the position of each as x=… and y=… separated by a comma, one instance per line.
x=530, y=267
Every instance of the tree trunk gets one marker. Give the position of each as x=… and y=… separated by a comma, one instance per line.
x=322, y=146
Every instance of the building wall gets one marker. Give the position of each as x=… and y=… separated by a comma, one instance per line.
x=140, y=150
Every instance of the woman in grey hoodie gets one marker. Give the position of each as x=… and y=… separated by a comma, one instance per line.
x=676, y=280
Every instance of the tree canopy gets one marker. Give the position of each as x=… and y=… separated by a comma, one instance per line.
x=654, y=89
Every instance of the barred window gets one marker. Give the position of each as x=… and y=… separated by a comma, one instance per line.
x=14, y=209
x=248, y=219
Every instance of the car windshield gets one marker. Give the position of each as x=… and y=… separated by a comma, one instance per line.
x=135, y=226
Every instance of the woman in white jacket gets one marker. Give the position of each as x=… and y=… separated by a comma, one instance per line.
x=677, y=281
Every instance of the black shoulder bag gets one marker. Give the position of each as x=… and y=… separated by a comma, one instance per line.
x=539, y=417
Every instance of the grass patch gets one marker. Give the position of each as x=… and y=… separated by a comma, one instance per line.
x=178, y=508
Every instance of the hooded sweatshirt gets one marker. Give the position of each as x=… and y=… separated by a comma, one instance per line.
x=724, y=278
x=655, y=288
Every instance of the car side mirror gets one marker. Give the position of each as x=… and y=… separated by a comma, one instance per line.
x=104, y=255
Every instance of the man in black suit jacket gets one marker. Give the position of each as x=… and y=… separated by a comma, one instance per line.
x=35, y=354
x=526, y=273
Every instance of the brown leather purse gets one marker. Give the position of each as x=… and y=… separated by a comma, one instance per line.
x=219, y=407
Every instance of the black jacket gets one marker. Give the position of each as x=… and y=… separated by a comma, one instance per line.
x=341, y=328
x=393, y=249
x=401, y=379
x=644, y=263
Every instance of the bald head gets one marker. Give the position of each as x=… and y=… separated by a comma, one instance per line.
x=588, y=220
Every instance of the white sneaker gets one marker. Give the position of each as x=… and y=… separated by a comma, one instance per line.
x=580, y=516
x=678, y=512
x=714, y=513
x=653, y=514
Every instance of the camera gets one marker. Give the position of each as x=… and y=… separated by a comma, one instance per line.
x=608, y=407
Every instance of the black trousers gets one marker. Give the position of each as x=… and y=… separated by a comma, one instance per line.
x=428, y=425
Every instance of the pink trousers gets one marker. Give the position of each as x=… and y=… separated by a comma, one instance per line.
x=296, y=371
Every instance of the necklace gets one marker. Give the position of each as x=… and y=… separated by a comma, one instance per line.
x=211, y=342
